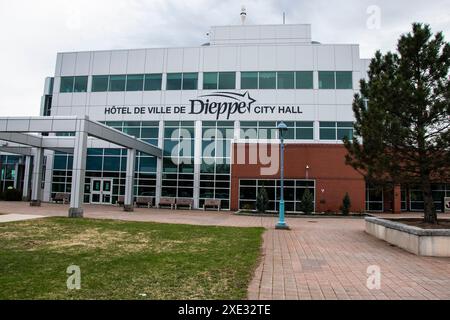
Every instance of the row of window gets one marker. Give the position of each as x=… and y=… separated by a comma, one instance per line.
x=299, y=130
x=211, y=81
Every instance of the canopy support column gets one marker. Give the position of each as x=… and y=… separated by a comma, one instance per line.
x=78, y=172
x=129, y=182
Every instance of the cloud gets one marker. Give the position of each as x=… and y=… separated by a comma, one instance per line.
x=34, y=31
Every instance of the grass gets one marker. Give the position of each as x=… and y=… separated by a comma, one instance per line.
x=126, y=260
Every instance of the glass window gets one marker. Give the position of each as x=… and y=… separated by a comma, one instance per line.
x=135, y=82
x=249, y=80
x=227, y=80
x=345, y=129
x=327, y=80
x=328, y=131
x=117, y=83
x=148, y=133
x=100, y=83
x=135, y=132
x=153, y=82
x=267, y=80
x=190, y=81
x=285, y=80
x=111, y=163
x=304, y=80
x=60, y=163
x=305, y=130
x=66, y=84
x=210, y=80
x=344, y=80
x=80, y=84
x=94, y=163
x=174, y=81
x=147, y=164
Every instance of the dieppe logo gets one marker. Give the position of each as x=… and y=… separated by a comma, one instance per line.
x=225, y=103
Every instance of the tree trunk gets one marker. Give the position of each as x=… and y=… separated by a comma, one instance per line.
x=429, y=208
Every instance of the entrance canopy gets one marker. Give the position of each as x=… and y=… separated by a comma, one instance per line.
x=26, y=131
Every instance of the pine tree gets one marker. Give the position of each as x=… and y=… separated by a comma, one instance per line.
x=262, y=200
x=402, y=124
x=307, y=204
x=346, y=205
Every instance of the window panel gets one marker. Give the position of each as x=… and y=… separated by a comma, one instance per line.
x=111, y=163
x=249, y=80
x=94, y=163
x=305, y=134
x=148, y=133
x=147, y=164
x=135, y=82
x=174, y=81
x=66, y=84
x=344, y=80
x=100, y=83
x=153, y=82
x=210, y=80
x=117, y=83
x=327, y=80
x=304, y=80
x=286, y=80
x=80, y=84
x=327, y=134
x=190, y=81
x=267, y=80
x=341, y=133
x=227, y=80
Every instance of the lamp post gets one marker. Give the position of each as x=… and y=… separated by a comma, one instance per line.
x=281, y=223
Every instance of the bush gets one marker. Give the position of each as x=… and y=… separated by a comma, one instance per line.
x=262, y=200
x=346, y=204
x=248, y=207
x=307, y=204
x=12, y=195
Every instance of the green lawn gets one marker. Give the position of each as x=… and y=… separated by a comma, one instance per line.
x=126, y=260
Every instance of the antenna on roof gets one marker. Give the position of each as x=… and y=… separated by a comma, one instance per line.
x=243, y=15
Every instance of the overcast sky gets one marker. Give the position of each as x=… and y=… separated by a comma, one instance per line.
x=33, y=31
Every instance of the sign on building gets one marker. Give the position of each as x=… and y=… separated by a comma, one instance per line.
x=447, y=204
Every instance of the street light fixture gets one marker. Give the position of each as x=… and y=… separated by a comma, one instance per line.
x=282, y=127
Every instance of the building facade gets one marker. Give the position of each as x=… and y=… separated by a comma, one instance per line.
x=204, y=105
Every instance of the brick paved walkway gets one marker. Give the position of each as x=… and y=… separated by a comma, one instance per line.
x=317, y=259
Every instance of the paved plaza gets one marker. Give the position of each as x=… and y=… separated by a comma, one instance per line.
x=316, y=259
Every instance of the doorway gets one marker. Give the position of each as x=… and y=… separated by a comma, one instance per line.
x=101, y=191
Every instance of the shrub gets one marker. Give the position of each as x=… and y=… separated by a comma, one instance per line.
x=248, y=207
x=262, y=200
x=346, y=204
x=307, y=204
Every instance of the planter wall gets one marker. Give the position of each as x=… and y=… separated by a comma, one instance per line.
x=422, y=242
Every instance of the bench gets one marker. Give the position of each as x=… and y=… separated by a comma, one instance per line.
x=212, y=203
x=120, y=201
x=62, y=197
x=144, y=201
x=167, y=202
x=184, y=203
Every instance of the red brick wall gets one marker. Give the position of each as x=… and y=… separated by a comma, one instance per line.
x=326, y=166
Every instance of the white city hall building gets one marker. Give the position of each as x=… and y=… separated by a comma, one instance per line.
x=229, y=92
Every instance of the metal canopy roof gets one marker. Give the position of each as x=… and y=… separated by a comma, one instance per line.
x=19, y=129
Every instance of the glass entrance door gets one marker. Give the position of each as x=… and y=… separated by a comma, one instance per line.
x=101, y=191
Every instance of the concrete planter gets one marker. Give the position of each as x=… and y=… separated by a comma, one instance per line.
x=422, y=242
